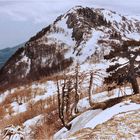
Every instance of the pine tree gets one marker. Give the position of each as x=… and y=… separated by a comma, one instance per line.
x=125, y=67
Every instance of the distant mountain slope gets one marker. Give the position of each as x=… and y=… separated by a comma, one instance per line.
x=6, y=53
x=81, y=34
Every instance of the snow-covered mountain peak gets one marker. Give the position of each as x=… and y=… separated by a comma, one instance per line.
x=81, y=34
x=67, y=67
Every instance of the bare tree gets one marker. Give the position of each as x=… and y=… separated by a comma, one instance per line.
x=94, y=75
x=63, y=105
x=76, y=86
x=68, y=97
x=90, y=88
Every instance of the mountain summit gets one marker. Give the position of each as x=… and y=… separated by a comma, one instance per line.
x=82, y=35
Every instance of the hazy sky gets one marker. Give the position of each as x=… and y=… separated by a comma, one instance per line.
x=21, y=19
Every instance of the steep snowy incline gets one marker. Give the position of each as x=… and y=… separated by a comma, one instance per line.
x=81, y=34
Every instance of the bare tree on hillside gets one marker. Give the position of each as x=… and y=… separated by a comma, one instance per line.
x=63, y=90
x=90, y=88
x=76, y=86
x=94, y=75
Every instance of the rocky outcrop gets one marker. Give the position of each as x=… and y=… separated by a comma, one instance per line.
x=81, y=34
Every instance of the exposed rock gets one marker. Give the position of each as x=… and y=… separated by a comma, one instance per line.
x=81, y=34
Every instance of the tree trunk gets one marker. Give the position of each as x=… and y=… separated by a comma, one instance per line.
x=59, y=102
x=133, y=76
x=90, y=89
x=69, y=89
x=76, y=89
x=135, y=85
x=61, y=105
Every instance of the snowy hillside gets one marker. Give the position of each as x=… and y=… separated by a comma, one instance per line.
x=82, y=35
x=54, y=87
x=94, y=118
x=35, y=108
x=122, y=126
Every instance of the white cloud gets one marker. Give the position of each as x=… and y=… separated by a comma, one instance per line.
x=48, y=10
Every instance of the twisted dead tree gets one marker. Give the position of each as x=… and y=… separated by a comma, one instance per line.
x=64, y=89
x=68, y=96
x=94, y=75
x=13, y=133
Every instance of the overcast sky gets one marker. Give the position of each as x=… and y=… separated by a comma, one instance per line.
x=21, y=19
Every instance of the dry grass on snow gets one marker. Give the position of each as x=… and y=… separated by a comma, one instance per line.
x=121, y=126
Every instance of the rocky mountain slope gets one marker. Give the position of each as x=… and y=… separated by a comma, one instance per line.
x=81, y=34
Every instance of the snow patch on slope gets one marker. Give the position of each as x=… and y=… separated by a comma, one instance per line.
x=91, y=46
x=135, y=36
x=5, y=94
x=111, y=16
x=25, y=60
x=32, y=122
x=50, y=88
x=110, y=112
x=19, y=108
x=92, y=120
x=77, y=124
